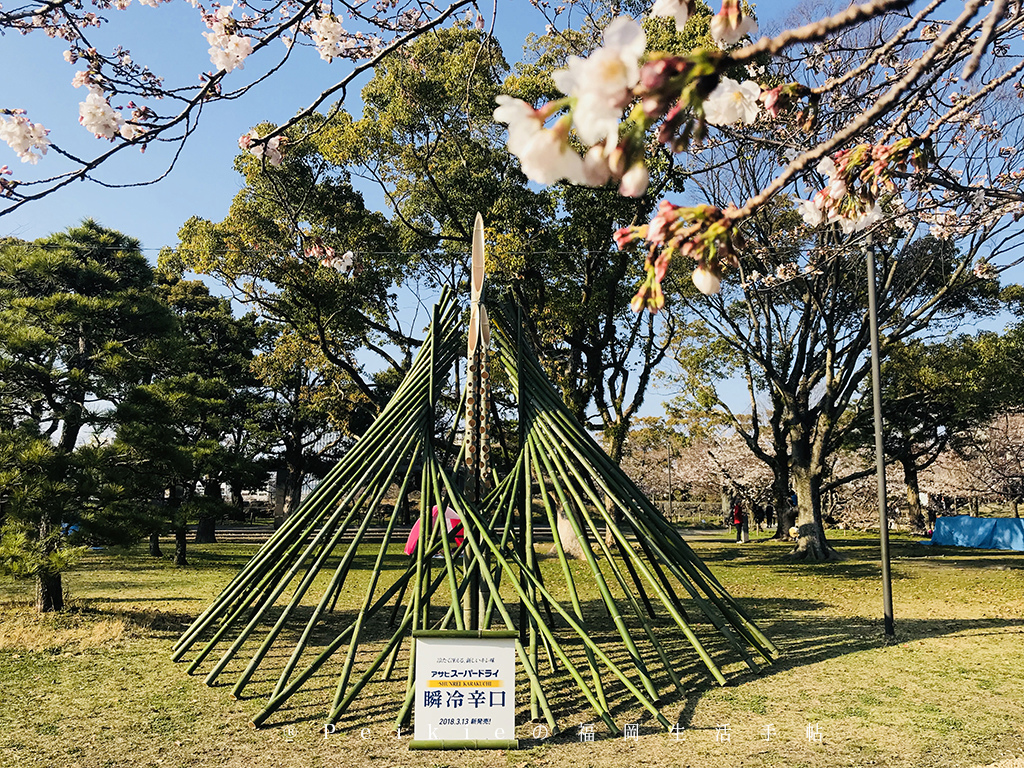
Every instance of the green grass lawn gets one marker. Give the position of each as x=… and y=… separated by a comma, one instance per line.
x=96, y=687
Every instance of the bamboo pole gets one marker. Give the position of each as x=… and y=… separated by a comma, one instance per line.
x=595, y=569
x=595, y=672
x=508, y=567
x=553, y=404
x=628, y=502
x=499, y=544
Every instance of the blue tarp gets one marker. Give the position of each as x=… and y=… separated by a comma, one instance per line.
x=979, y=532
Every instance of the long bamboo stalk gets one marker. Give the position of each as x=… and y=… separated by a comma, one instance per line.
x=629, y=503
x=499, y=545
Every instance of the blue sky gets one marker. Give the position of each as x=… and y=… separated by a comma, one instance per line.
x=169, y=40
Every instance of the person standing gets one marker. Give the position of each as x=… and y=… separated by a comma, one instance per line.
x=738, y=518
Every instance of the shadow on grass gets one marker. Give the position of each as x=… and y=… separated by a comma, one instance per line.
x=802, y=643
x=799, y=626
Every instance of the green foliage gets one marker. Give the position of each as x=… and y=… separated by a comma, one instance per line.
x=23, y=555
x=934, y=395
x=260, y=252
x=79, y=326
x=197, y=420
x=427, y=136
x=77, y=318
x=34, y=481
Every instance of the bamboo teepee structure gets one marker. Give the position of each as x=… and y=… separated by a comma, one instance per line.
x=285, y=596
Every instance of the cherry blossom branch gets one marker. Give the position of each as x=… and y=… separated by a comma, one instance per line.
x=963, y=104
x=884, y=50
x=342, y=85
x=815, y=30
x=143, y=127
x=12, y=18
x=81, y=173
x=866, y=118
x=998, y=9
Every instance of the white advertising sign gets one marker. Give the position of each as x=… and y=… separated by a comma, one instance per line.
x=465, y=689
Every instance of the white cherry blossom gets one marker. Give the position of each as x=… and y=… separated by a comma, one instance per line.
x=732, y=101
x=680, y=10
x=811, y=213
x=707, y=282
x=985, y=271
x=271, y=149
x=131, y=131
x=827, y=167
x=330, y=37
x=730, y=25
x=861, y=220
x=602, y=82
x=546, y=157
x=522, y=121
x=634, y=181
x=227, y=50
x=596, y=172
x=98, y=117
x=22, y=135
x=837, y=188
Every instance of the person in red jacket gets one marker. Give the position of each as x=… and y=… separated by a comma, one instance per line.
x=738, y=518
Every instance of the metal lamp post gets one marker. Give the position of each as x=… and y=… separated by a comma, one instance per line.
x=670, y=479
x=876, y=396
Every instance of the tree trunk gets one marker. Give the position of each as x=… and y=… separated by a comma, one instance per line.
x=154, y=544
x=1014, y=501
x=206, y=525
x=726, y=507
x=811, y=543
x=616, y=447
x=913, y=494
x=49, y=588
x=293, y=497
x=974, y=506
x=206, y=530
x=289, y=487
x=615, y=514
x=236, y=495
x=785, y=516
x=49, y=593
x=180, y=540
x=571, y=544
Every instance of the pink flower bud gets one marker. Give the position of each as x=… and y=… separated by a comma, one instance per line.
x=661, y=266
x=774, y=101
x=730, y=24
x=660, y=225
x=628, y=235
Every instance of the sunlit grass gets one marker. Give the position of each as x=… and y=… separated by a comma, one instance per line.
x=95, y=687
